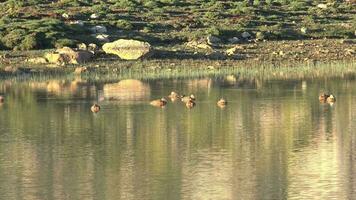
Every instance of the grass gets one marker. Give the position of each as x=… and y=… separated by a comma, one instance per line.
x=154, y=69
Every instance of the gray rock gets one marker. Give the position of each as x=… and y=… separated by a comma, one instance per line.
x=246, y=35
x=213, y=40
x=234, y=40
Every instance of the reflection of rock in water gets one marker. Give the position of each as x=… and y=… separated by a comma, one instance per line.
x=129, y=90
x=194, y=85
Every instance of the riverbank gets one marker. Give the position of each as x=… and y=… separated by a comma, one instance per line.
x=269, y=58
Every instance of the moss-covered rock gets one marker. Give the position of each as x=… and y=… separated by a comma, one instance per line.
x=128, y=49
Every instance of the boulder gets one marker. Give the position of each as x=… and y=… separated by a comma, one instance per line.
x=98, y=29
x=246, y=35
x=212, y=40
x=128, y=49
x=67, y=55
x=234, y=40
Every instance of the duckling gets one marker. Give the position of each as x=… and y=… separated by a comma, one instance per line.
x=173, y=96
x=2, y=99
x=222, y=102
x=190, y=104
x=331, y=99
x=159, y=102
x=323, y=97
x=95, y=108
x=185, y=99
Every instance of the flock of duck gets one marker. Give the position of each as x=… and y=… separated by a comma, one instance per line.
x=189, y=101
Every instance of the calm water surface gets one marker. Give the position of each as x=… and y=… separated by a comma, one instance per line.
x=274, y=140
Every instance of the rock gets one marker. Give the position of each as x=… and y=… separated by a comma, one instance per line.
x=246, y=35
x=65, y=16
x=67, y=55
x=80, y=70
x=233, y=51
x=260, y=36
x=212, y=40
x=322, y=6
x=94, y=16
x=198, y=45
x=38, y=60
x=304, y=30
x=234, y=40
x=93, y=48
x=82, y=46
x=102, y=37
x=98, y=29
x=128, y=49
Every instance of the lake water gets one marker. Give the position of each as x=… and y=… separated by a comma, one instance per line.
x=274, y=140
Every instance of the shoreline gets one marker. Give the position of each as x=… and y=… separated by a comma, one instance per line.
x=278, y=59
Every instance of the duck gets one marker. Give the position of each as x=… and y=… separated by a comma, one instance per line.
x=159, y=102
x=185, y=99
x=2, y=99
x=173, y=96
x=95, y=108
x=222, y=102
x=190, y=104
x=331, y=99
x=323, y=97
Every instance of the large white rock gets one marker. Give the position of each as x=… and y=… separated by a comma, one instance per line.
x=128, y=49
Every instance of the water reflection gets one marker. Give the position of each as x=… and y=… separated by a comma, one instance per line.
x=274, y=140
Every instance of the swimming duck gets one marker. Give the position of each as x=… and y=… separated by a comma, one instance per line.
x=159, y=102
x=2, y=99
x=173, y=96
x=331, y=99
x=185, y=99
x=323, y=97
x=95, y=108
x=222, y=102
x=190, y=104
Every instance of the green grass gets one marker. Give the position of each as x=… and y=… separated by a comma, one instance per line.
x=192, y=69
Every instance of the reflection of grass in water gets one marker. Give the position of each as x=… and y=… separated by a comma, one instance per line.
x=152, y=71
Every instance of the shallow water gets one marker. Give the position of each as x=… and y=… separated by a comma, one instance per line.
x=274, y=140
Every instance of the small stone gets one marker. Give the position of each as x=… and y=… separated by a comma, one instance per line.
x=322, y=6
x=65, y=16
x=98, y=29
x=94, y=16
x=102, y=38
x=77, y=22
